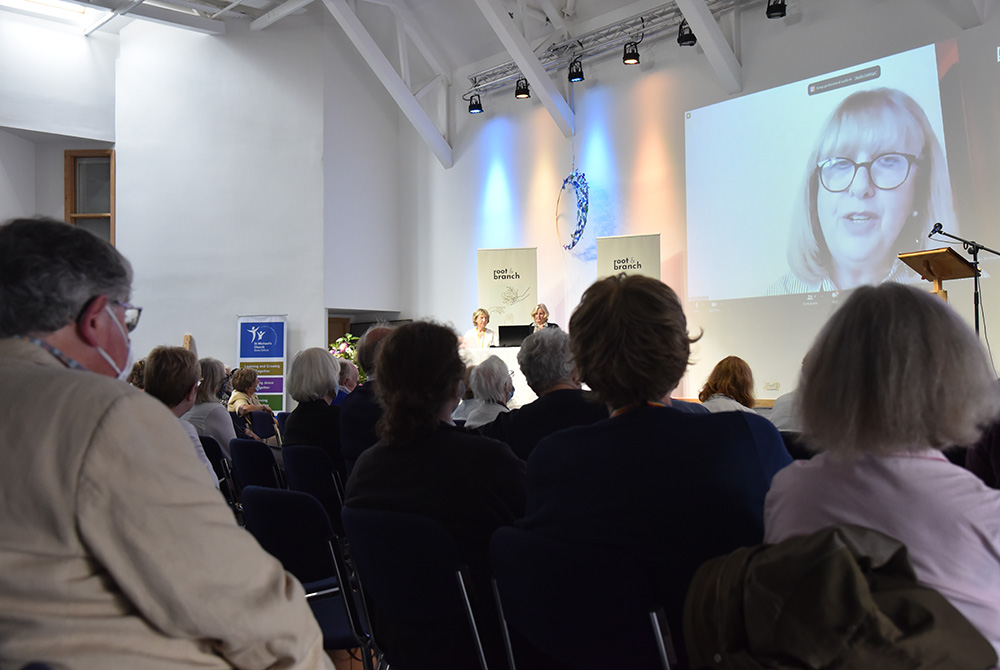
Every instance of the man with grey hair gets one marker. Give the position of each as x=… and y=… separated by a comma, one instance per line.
x=360, y=410
x=348, y=380
x=115, y=549
x=547, y=365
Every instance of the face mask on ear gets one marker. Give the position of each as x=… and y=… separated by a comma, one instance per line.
x=121, y=373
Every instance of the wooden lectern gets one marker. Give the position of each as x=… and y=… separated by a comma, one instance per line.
x=938, y=265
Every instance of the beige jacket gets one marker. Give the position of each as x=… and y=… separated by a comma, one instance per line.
x=115, y=550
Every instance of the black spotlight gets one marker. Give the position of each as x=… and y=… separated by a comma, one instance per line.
x=775, y=9
x=575, y=70
x=475, y=104
x=685, y=36
x=631, y=54
x=521, y=89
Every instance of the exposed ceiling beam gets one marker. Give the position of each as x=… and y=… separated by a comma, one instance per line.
x=555, y=16
x=426, y=45
x=720, y=55
x=278, y=13
x=107, y=18
x=169, y=17
x=383, y=69
x=404, y=51
x=519, y=49
x=969, y=13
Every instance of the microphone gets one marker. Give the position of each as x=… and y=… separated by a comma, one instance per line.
x=936, y=229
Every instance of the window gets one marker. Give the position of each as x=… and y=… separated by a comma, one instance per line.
x=90, y=191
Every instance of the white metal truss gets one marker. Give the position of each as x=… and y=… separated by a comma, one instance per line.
x=531, y=68
x=396, y=82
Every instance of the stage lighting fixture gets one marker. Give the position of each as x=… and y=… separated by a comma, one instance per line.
x=775, y=9
x=631, y=53
x=575, y=70
x=475, y=104
x=685, y=36
x=521, y=89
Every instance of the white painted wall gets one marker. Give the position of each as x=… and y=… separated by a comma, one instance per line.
x=362, y=215
x=17, y=177
x=55, y=80
x=220, y=181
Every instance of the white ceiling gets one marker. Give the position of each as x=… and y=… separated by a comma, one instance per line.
x=417, y=46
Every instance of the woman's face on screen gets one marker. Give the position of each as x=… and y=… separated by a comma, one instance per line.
x=862, y=222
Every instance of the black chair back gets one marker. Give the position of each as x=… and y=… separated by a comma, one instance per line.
x=254, y=464
x=262, y=424
x=411, y=568
x=796, y=445
x=310, y=469
x=294, y=528
x=223, y=469
x=588, y=606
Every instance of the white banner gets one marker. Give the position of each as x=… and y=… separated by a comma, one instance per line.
x=631, y=254
x=508, y=285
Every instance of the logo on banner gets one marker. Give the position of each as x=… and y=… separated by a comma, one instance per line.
x=627, y=264
x=262, y=340
x=505, y=274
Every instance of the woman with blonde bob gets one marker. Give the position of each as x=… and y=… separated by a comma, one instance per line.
x=480, y=337
x=893, y=377
x=876, y=183
x=729, y=387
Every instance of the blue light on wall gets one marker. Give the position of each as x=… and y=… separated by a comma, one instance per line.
x=597, y=159
x=498, y=225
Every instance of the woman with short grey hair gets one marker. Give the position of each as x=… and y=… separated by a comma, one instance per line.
x=893, y=377
x=491, y=384
x=313, y=382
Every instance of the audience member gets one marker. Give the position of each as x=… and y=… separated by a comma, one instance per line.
x=114, y=550
x=547, y=365
x=785, y=413
x=667, y=487
x=983, y=457
x=360, y=411
x=243, y=399
x=685, y=405
x=172, y=377
x=312, y=382
x=729, y=387
x=209, y=416
x=424, y=465
x=468, y=401
x=894, y=376
x=348, y=380
x=492, y=387
x=136, y=376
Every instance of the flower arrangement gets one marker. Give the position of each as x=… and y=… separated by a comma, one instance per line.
x=346, y=347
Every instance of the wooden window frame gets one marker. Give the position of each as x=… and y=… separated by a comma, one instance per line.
x=69, y=193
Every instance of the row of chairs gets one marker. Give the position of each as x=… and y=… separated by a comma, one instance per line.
x=583, y=605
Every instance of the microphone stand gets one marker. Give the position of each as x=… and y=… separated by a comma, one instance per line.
x=973, y=249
